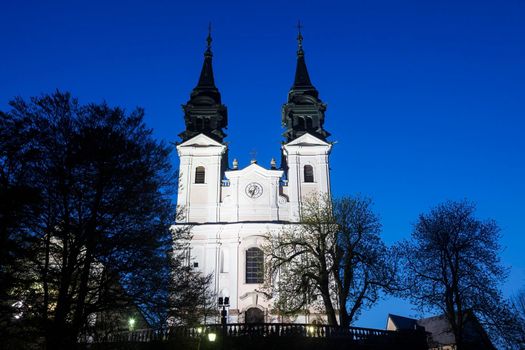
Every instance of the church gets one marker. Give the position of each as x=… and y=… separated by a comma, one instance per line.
x=231, y=209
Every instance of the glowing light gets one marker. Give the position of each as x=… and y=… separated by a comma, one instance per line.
x=131, y=323
x=212, y=337
x=199, y=330
x=310, y=329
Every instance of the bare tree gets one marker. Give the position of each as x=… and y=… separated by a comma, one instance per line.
x=452, y=265
x=517, y=338
x=334, y=253
x=192, y=299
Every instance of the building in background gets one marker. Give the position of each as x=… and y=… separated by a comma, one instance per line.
x=232, y=209
x=439, y=334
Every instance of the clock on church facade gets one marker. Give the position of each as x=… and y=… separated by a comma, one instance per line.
x=231, y=209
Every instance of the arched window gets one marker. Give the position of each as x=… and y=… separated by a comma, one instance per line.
x=308, y=173
x=254, y=265
x=200, y=175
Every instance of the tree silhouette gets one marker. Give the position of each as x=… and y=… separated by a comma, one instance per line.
x=94, y=219
x=452, y=265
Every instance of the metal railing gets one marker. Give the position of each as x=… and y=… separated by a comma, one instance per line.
x=355, y=334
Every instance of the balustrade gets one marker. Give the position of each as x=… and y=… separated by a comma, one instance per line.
x=355, y=334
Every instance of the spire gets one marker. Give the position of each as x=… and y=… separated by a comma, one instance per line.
x=206, y=80
x=204, y=113
x=302, y=79
x=304, y=111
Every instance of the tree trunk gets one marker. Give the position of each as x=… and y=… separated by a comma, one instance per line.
x=325, y=293
x=344, y=319
x=329, y=308
x=80, y=310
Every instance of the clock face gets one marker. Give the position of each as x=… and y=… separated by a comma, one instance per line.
x=254, y=190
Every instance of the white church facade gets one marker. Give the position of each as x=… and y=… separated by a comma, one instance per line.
x=230, y=209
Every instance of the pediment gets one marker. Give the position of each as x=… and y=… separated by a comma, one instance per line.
x=307, y=140
x=201, y=140
x=252, y=169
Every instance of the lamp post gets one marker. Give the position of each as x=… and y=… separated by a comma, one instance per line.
x=224, y=303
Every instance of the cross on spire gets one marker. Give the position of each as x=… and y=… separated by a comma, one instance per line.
x=299, y=35
x=208, y=39
x=253, y=154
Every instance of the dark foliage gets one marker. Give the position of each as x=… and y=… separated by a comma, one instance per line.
x=85, y=224
x=19, y=210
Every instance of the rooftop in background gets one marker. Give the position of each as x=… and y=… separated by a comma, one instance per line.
x=440, y=333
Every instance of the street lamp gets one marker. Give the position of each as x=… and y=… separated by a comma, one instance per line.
x=131, y=323
x=203, y=334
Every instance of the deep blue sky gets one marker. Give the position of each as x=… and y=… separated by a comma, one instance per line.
x=425, y=98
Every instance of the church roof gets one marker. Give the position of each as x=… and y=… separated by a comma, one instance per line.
x=403, y=323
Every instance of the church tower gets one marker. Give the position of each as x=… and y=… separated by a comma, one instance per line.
x=202, y=153
x=306, y=151
x=304, y=111
x=233, y=209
